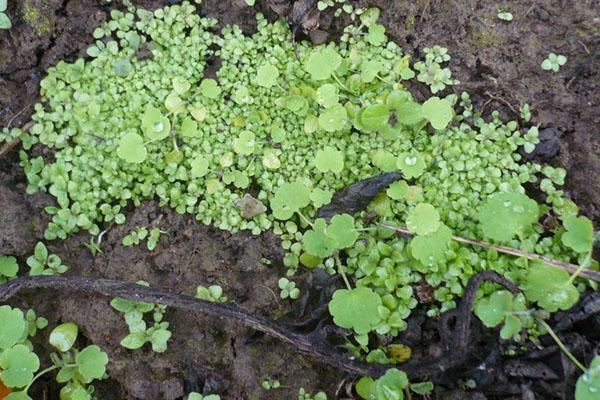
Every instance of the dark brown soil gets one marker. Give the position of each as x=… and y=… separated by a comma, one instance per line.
x=497, y=62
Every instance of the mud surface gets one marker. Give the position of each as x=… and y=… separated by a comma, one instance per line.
x=497, y=62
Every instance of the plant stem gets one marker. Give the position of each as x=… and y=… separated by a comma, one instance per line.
x=581, y=268
x=571, y=268
x=39, y=374
x=561, y=345
x=341, y=270
x=341, y=84
x=305, y=219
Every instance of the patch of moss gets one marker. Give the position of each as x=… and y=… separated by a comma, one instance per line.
x=37, y=15
x=484, y=37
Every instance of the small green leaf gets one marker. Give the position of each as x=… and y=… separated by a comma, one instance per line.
x=8, y=266
x=322, y=63
x=63, y=336
x=320, y=197
x=423, y=219
x=210, y=88
x=327, y=95
x=430, y=249
x=154, y=125
x=18, y=364
x=550, y=287
x=422, y=388
x=13, y=326
x=411, y=164
x=329, y=159
x=245, y=143
x=376, y=35
x=316, y=242
x=588, y=384
x=91, y=363
x=122, y=67
x=384, y=160
x=334, y=118
x=341, y=231
x=174, y=104
x=199, y=167
x=355, y=309
x=288, y=199
x=5, y=21
x=438, y=112
x=579, y=234
x=267, y=75
x=181, y=85
x=131, y=148
x=375, y=117
x=504, y=215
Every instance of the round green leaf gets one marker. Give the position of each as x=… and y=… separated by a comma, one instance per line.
x=579, y=234
x=550, y=287
x=13, y=326
x=154, y=125
x=210, y=88
x=334, y=118
x=504, y=215
x=329, y=159
x=8, y=266
x=267, y=75
x=423, y=219
x=375, y=117
x=327, y=95
x=588, y=384
x=322, y=63
x=199, y=167
x=430, y=249
x=131, y=148
x=341, y=231
x=288, y=199
x=18, y=364
x=355, y=309
x=412, y=164
x=63, y=336
x=91, y=363
x=438, y=112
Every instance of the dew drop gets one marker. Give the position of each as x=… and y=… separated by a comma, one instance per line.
x=158, y=127
x=519, y=209
x=507, y=203
x=593, y=389
x=410, y=160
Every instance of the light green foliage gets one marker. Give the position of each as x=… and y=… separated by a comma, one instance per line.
x=412, y=164
x=423, y=219
x=194, y=395
x=550, y=287
x=588, y=384
x=43, y=263
x=388, y=387
x=322, y=63
x=19, y=362
x=430, y=248
x=438, y=112
x=349, y=97
x=288, y=289
x=505, y=16
x=505, y=215
x=430, y=71
x=8, y=268
x=502, y=307
x=329, y=159
x=553, y=62
x=4, y=20
x=303, y=395
x=63, y=336
x=268, y=384
x=139, y=333
x=267, y=75
x=579, y=234
x=213, y=293
x=324, y=239
x=355, y=309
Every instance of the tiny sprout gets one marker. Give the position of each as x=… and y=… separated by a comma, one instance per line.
x=553, y=62
x=505, y=16
x=288, y=289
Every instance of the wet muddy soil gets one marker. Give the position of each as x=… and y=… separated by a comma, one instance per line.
x=496, y=61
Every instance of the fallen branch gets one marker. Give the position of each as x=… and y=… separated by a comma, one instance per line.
x=571, y=268
x=305, y=344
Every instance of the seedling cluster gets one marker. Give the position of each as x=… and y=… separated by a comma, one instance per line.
x=268, y=141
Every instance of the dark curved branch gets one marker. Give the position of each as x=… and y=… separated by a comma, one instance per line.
x=304, y=344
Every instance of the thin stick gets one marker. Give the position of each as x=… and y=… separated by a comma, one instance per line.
x=571, y=268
